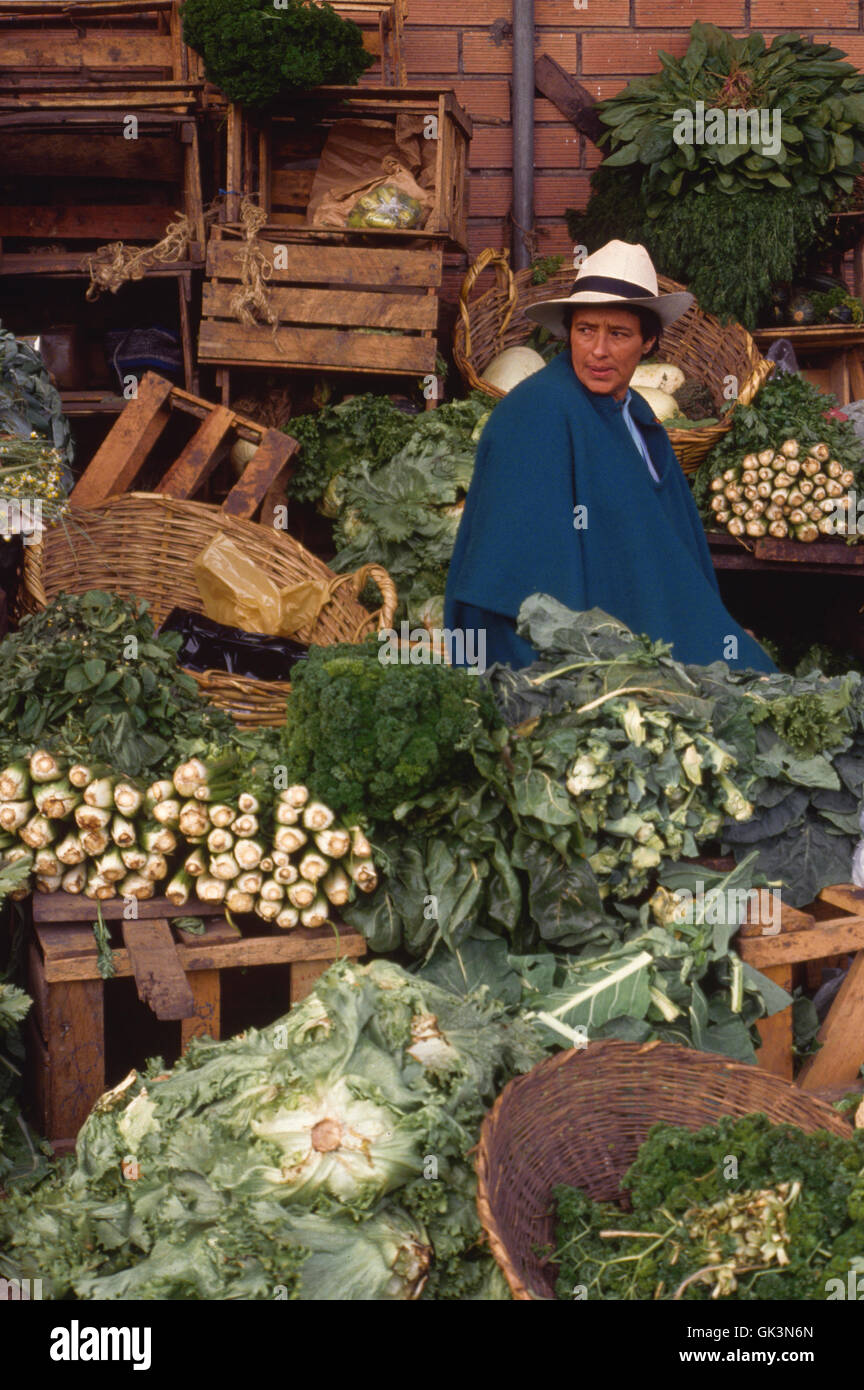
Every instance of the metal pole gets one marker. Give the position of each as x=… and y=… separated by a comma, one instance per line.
x=523, y=129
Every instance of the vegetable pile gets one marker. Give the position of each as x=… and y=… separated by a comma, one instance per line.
x=30, y=471
x=800, y=490
x=743, y=1209
x=29, y=403
x=89, y=676
x=369, y=736
x=89, y=832
x=326, y=1155
x=738, y=210
x=256, y=52
x=20, y=1157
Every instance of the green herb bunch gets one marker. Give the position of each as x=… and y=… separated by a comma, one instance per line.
x=788, y=1216
x=820, y=98
x=73, y=681
x=336, y=439
x=367, y=736
x=256, y=53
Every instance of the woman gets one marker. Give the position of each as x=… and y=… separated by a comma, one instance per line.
x=577, y=492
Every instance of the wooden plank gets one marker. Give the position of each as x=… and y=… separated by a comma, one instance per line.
x=69, y=49
x=122, y=453
x=312, y=347
x=158, y=973
x=72, y=939
x=325, y=306
x=291, y=187
x=775, y=1054
x=844, y=895
x=194, y=465
x=791, y=919
x=304, y=976
x=72, y=1065
x=74, y=907
x=829, y=938
x=839, y=1059
x=96, y=156
x=571, y=98
x=320, y=944
x=82, y=10
x=207, y=1018
x=268, y=463
x=115, y=221
x=822, y=552
x=361, y=266
x=216, y=930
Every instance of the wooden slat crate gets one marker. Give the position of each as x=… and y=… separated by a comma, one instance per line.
x=103, y=187
x=832, y=926
x=178, y=974
x=274, y=158
x=128, y=445
x=324, y=290
x=48, y=50
x=383, y=26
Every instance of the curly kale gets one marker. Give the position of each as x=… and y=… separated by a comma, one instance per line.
x=367, y=736
x=256, y=53
x=743, y=1209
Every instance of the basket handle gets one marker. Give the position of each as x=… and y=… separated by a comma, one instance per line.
x=755, y=381
x=506, y=284
x=356, y=582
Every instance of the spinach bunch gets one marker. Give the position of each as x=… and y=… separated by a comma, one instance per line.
x=89, y=677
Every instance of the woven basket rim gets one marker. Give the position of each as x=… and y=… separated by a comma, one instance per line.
x=610, y=1054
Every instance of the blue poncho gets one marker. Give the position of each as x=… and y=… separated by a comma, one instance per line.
x=637, y=550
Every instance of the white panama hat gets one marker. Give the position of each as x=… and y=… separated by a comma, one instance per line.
x=619, y=273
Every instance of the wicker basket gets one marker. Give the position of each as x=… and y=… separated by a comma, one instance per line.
x=699, y=344
x=145, y=545
x=580, y=1117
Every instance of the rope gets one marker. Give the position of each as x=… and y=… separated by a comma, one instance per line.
x=250, y=302
x=115, y=264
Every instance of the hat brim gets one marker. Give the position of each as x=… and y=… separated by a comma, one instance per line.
x=551, y=312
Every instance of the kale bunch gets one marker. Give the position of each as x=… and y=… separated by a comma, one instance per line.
x=256, y=53
x=743, y=1209
x=368, y=735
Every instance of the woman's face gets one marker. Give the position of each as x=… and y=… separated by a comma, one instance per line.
x=606, y=347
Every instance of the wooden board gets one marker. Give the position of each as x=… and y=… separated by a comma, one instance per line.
x=333, y=306
x=233, y=344
x=207, y=1016
x=115, y=221
x=839, y=1059
x=205, y=449
x=268, y=468
x=69, y=49
x=836, y=936
x=361, y=266
x=74, y=907
x=158, y=972
x=99, y=156
x=120, y=457
x=571, y=98
x=775, y=1054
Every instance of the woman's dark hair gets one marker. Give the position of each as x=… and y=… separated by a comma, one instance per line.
x=649, y=324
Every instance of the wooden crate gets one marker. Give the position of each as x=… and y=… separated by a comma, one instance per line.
x=179, y=975
x=383, y=25
x=832, y=926
x=324, y=288
x=49, y=50
x=274, y=157
x=126, y=449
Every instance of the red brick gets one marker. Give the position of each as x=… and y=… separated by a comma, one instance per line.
x=480, y=53
x=487, y=233
x=431, y=51
x=556, y=147
x=596, y=14
x=553, y=239
x=630, y=53
x=460, y=12
x=553, y=193
x=662, y=14
x=487, y=101
x=805, y=14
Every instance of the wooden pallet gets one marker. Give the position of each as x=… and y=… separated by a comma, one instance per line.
x=129, y=443
x=87, y=47
x=832, y=926
x=382, y=23
x=179, y=975
x=323, y=291
x=273, y=157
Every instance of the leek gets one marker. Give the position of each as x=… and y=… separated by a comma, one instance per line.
x=224, y=866
x=14, y=814
x=160, y=791
x=220, y=840
x=337, y=886
x=92, y=817
x=56, y=800
x=46, y=864
x=289, y=838
x=333, y=843
x=100, y=793
x=134, y=885
x=313, y=866
x=317, y=816
x=14, y=782
x=166, y=812
x=288, y=917
x=37, y=833
x=301, y=894
x=360, y=846
x=286, y=874
x=315, y=915
x=70, y=850
x=45, y=884
x=110, y=866
x=209, y=889
x=297, y=795
x=196, y=863
x=134, y=858
x=248, y=804
x=127, y=798
x=235, y=901
x=158, y=839
x=267, y=910
x=156, y=867
x=271, y=891
x=179, y=888
x=44, y=767
x=99, y=888
x=249, y=882
x=74, y=879
x=248, y=853
x=286, y=814
x=246, y=826
x=222, y=815
x=123, y=831
x=95, y=842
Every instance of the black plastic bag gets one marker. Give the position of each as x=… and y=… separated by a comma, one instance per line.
x=210, y=646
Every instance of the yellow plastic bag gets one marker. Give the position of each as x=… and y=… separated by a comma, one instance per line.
x=236, y=592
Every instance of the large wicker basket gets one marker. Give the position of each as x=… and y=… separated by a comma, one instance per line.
x=580, y=1117
x=145, y=545
x=698, y=343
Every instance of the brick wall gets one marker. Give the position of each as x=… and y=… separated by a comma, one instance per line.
x=466, y=44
